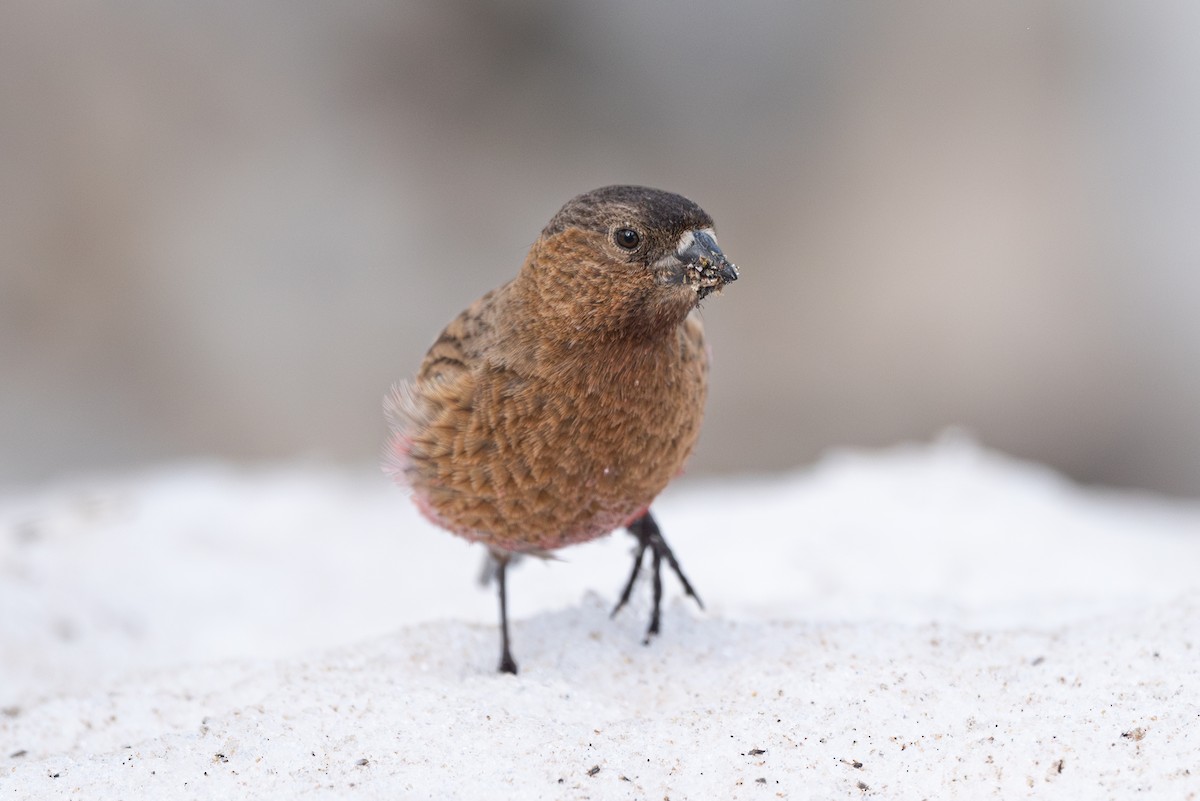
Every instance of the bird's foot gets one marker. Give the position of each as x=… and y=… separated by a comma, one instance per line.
x=650, y=538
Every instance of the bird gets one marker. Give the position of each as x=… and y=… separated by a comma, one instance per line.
x=554, y=409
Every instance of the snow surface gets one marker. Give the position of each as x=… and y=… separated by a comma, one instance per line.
x=933, y=621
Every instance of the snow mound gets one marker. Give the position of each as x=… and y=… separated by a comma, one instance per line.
x=926, y=622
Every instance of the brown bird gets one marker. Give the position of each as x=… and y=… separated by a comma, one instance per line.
x=555, y=408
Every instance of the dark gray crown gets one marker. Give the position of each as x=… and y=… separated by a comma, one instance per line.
x=651, y=209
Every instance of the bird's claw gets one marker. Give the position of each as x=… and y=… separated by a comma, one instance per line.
x=650, y=538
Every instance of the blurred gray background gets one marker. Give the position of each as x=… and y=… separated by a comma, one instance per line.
x=226, y=227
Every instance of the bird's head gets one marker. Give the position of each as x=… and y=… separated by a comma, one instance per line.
x=631, y=256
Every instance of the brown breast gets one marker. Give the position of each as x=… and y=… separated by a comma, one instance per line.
x=528, y=462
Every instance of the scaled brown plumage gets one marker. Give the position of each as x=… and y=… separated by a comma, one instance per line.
x=555, y=408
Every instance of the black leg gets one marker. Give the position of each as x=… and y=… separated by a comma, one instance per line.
x=652, y=631
x=650, y=538
x=507, y=665
x=637, y=568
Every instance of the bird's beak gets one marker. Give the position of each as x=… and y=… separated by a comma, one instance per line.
x=706, y=267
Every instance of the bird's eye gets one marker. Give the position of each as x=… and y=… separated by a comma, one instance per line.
x=627, y=238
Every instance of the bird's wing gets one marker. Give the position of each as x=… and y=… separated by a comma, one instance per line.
x=442, y=390
x=463, y=343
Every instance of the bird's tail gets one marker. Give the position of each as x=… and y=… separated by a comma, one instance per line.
x=405, y=412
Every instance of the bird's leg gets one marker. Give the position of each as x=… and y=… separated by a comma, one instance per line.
x=650, y=538
x=637, y=569
x=507, y=665
x=652, y=631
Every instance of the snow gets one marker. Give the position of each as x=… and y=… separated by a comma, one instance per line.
x=930, y=621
